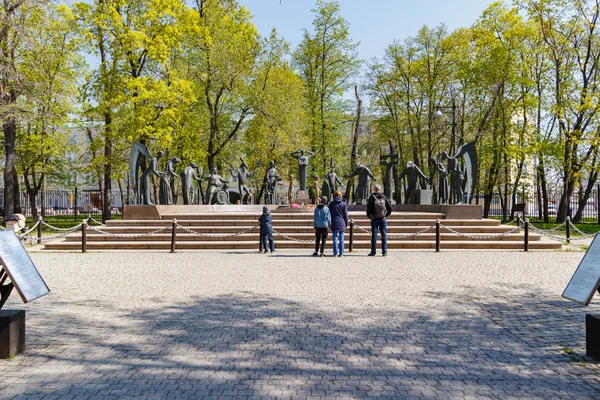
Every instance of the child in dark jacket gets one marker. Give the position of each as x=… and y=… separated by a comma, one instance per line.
x=266, y=229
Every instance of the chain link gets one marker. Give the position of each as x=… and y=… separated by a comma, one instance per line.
x=585, y=235
x=129, y=236
x=410, y=235
x=291, y=238
x=60, y=235
x=480, y=237
x=215, y=235
x=97, y=222
x=398, y=237
x=59, y=229
x=545, y=233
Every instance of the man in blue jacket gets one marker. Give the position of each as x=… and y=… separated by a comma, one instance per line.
x=321, y=222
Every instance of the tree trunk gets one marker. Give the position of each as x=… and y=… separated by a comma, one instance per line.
x=354, y=154
x=10, y=196
x=108, y=150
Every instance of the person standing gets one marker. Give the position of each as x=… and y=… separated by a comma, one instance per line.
x=266, y=229
x=339, y=222
x=378, y=209
x=321, y=222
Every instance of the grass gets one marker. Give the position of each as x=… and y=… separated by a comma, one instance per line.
x=65, y=221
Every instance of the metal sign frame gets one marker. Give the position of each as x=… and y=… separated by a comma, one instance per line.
x=20, y=268
x=580, y=288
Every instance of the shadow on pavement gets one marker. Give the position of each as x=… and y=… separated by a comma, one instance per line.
x=245, y=344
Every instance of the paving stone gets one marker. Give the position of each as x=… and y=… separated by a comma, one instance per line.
x=417, y=324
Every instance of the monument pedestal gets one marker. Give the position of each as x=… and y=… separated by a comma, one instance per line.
x=420, y=196
x=302, y=197
x=12, y=333
x=592, y=336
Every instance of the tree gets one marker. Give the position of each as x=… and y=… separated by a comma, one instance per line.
x=326, y=60
x=133, y=91
x=50, y=64
x=14, y=35
x=219, y=58
x=569, y=31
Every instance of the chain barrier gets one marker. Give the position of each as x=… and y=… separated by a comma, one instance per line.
x=545, y=233
x=93, y=220
x=291, y=238
x=398, y=237
x=480, y=237
x=128, y=236
x=212, y=235
x=556, y=228
x=57, y=228
x=585, y=235
x=57, y=236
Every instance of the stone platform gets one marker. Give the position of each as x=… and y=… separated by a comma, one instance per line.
x=235, y=227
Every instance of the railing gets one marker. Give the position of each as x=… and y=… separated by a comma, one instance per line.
x=26, y=234
x=66, y=205
x=532, y=210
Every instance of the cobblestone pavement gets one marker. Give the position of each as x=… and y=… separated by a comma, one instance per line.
x=235, y=325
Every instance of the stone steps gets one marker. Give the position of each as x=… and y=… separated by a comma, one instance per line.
x=306, y=221
x=363, y=245
x=166, y=237
x=391, y=229
x=298, y=226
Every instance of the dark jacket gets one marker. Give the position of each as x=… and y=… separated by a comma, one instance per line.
x=339, y=214
x=266, y=221
x=371, y=204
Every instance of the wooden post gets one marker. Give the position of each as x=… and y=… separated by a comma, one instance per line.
x=568, y=230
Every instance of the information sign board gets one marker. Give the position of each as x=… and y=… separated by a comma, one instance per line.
x=20, y=269
x=586, y=279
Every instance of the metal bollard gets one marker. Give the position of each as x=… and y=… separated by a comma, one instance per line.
x=39, y=239
x=437, y=235
x=526, y=236
x=351, y=242
x=173, y=235
x=568, y=230
x=84, y=236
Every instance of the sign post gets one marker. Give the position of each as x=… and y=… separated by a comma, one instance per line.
x=25, y=278
x=581, y=288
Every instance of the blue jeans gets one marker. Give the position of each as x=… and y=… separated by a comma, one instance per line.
x=264, y=236
x=338, y=237
x=381, y=225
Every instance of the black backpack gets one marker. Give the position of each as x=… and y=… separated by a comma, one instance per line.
x=379, y=209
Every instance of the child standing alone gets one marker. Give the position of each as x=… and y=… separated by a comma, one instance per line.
x=266, y=229
x=321, y=222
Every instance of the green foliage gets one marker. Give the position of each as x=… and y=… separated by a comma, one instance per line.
x=327, y=63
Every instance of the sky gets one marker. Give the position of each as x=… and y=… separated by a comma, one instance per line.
x=373, y=23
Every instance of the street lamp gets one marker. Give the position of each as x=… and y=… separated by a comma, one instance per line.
x=438, y=114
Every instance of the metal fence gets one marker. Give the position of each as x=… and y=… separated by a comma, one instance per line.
x=64, y=204
x=532, y=211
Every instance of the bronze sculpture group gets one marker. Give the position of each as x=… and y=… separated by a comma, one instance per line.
x=454, y=185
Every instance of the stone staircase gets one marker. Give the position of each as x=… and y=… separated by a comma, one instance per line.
x=293, y=230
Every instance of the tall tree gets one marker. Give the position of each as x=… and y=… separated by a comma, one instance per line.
x=14, y=35
x=327, y=61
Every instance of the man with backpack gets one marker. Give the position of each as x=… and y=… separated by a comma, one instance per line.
x=378, y=209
